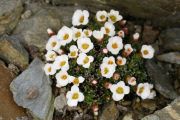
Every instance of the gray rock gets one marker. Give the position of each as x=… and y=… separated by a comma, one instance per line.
x=162, y=81
x=172, y=57
x=32, y=90
x=160, y=12
x=60, y=102
x=10, y=12
x=170, y=39
x=13, y=52
x=128, y=116
x=110, y=112
x=171, y=112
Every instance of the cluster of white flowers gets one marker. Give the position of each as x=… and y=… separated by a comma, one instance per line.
x=58, y=62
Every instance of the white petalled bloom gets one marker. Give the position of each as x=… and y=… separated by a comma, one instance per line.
x=107, y=71
x=110, y=61
x=136, y=36
x=84, y=60
x=76, y=80
x=77, y=33
x=114, y=16
x=53, y=43
x=147, y=51
x=62, y=78
x=74, y=96
x=87, y=33
x=121, y=34
x=73, y=51
x=115, y=44
x=152, y=94
x=59, y=51
x=105, y=50
x=65, y=35
x=119, y=90
x=121, y=60
x=85, y=44
x=128, y=48
x=80, y=17
x=49, y=69
x=108, y=29
x=61, y=62
x=50, y=55
x=99, y=35
x=144, y=91
x=131, y=81
x=101, y=16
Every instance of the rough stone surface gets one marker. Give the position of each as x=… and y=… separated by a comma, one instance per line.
x=32, y=90
x=171, y=112
x=170, y=39
x=12, y=51
x=9, y=109
x=10, y=12
x=33, y=31
x=60, y=102
x=160, y=12
x=162, y=81
x=110, y=112
x=172, y=57
x=128, y=116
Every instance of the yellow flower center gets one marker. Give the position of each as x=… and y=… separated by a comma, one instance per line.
x=66, y=36
x=76, y=81
x=119, y=61
x=110, y=62
x=114, y=45
x=53, y=44
x=107, y=30
x=141, y=90
x=86, y=33
x=73, y=53
x=113, y=18
x=145, y=52
x=81, y=20
x=78, y=34
x=64, y=77
x=85, y=46
x=106, y=70
x=49, y=69
x=51, y=56
x=102, y=17
x=75, y=96
x=120, y=90
x=62, y=63
x=86, y=60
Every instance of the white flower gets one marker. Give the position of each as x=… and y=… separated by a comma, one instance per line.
x=147, y=51
x=119, y=90
x=107, y=71
x=73, y=51
x=110, y=61
x=59, y=51
x=101, y=16
x=128, y=48
x=74, y=96
x=84, y=60
x=76, y=80
x=85, y=44
x=121, y=60
x=152, y=94
x=61, y=62
x=77, y=33
x=65, y=35
x=131, y=81
x=62, y=78
x=50, y=55
x=49, y=69
x=105, y=50
x=53, y=43
x=99, y=35
x=121, y=34
x=87, y=33
x=114, y=16
x=136, y=36
x=115, y=45
x=80, y=17
x=144, y=91
x=108, y=29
